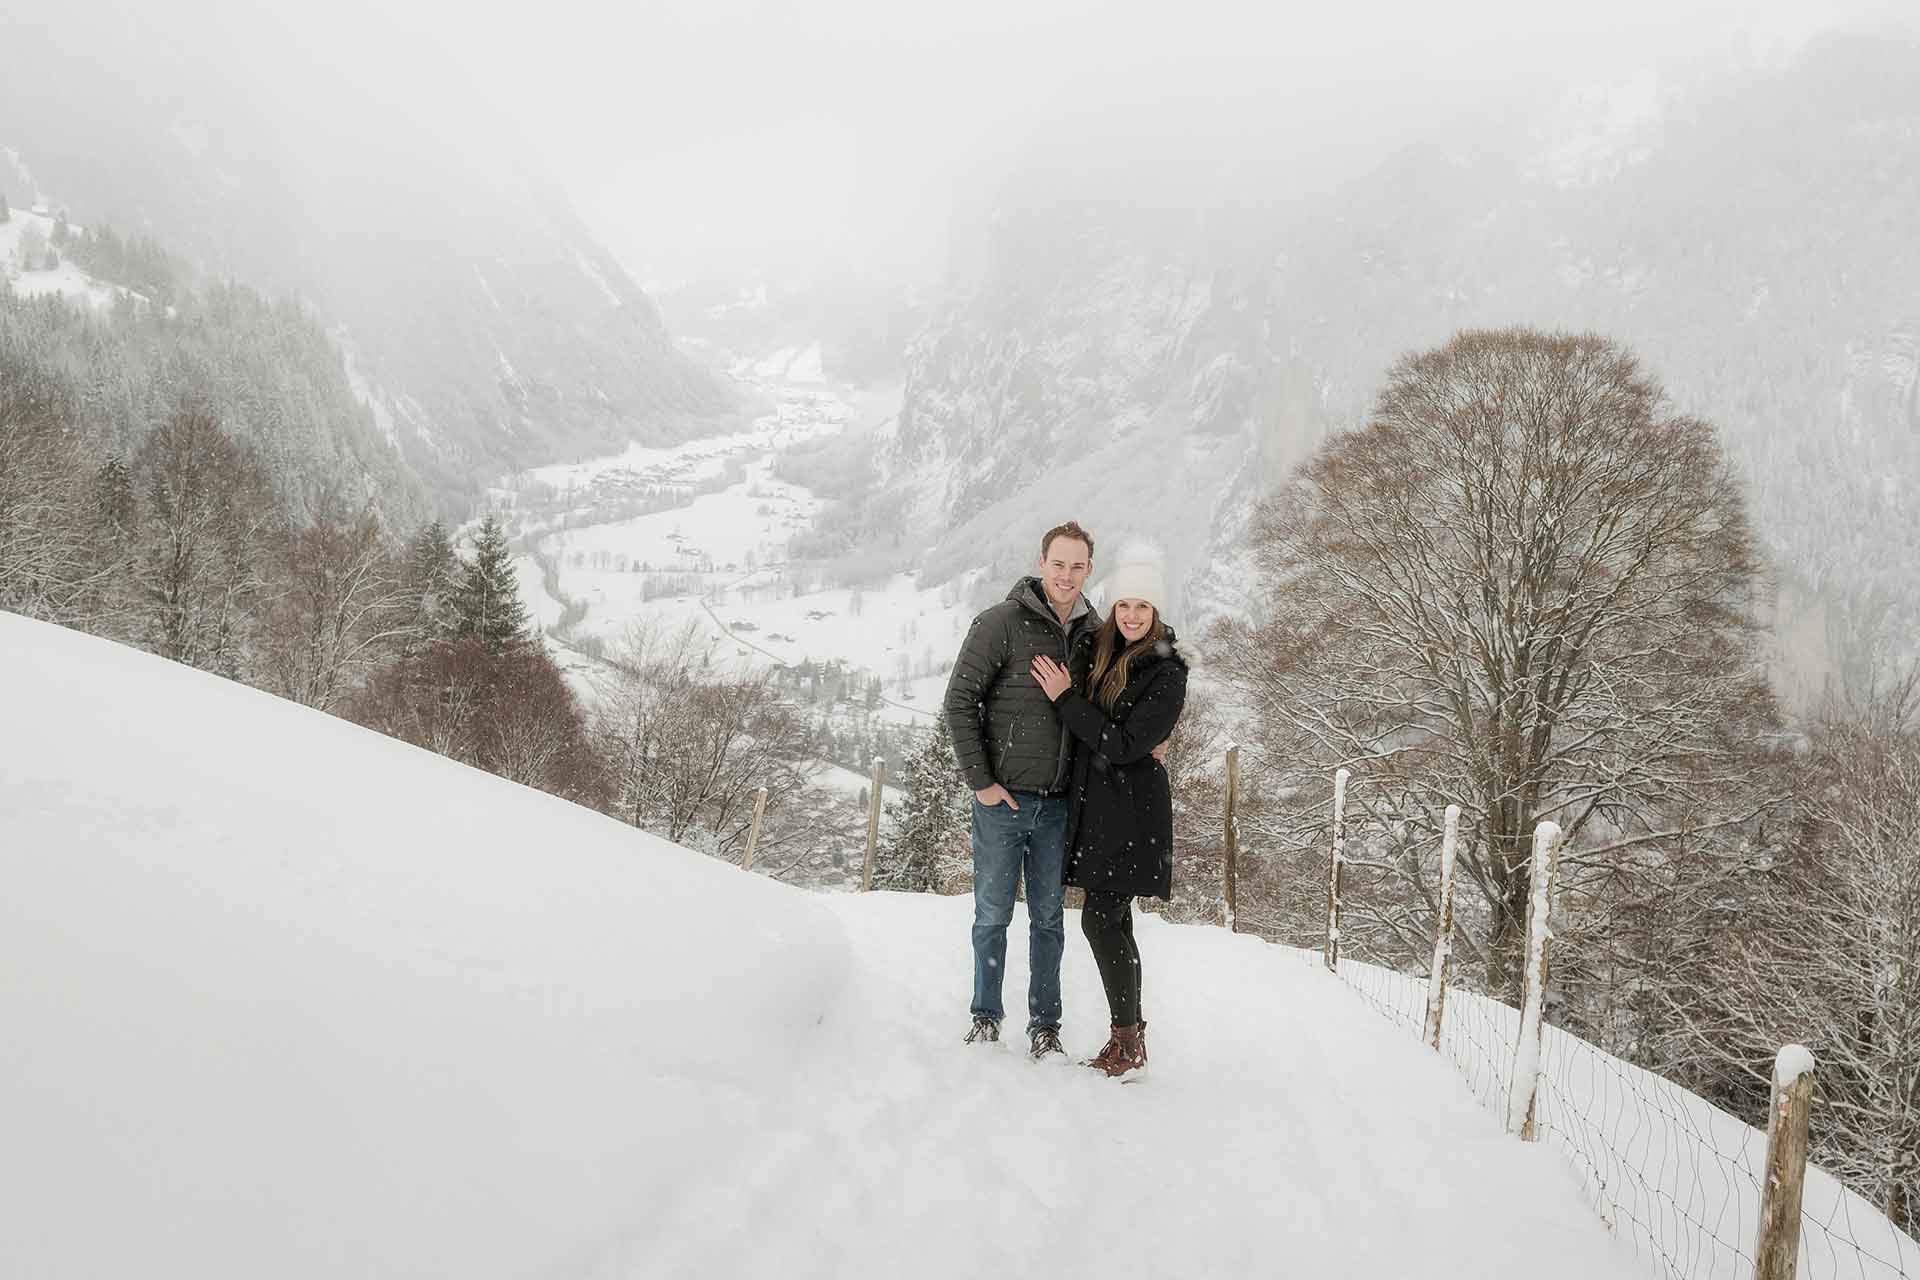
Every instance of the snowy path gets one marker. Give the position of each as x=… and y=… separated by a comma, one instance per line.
x=285, y=998
x=1285, y=1129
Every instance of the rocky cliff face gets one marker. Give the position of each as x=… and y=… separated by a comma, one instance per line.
x=1105, y=372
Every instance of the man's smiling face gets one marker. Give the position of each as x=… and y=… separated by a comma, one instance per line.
x=1064, y=567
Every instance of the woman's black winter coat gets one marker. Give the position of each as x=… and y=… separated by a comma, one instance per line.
x=1120, y=811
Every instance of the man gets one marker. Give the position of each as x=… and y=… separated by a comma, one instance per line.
x=1009, y=745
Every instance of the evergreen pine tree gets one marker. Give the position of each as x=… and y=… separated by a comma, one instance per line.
x=5, y=214
x=31, y=247
x=929, y=843
x=114, y=499
x=487, y=603
x=433, y=582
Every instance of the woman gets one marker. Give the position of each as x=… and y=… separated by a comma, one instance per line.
x=1120, y=814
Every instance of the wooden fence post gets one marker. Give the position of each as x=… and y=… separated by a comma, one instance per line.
x=753, y=832
x=1777, y=1251
x=1232, y=838
x=1443, y=930
x=1526, y=1049
x=1333, y=869
x=873, y=822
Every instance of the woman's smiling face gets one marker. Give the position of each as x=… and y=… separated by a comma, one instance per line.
x=1133, y=617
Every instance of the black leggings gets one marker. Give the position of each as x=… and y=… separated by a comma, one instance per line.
x=1107, y=920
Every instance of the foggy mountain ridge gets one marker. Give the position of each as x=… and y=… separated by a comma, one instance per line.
x=119, y=333
x=1747, y=235
x=484, y=325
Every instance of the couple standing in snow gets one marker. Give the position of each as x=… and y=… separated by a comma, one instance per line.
x=1059, y=721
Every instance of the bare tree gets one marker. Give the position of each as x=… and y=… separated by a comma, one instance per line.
x=509, y=713
x=1196, y=771
x=46, y=566
x=433, y=698
x=686, y=751
x=1824, y=949
x=211, y=516
x=1525, y=587
x=534, y=731
x=341, y=608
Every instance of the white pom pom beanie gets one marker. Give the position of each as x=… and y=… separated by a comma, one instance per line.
x=1140, y=574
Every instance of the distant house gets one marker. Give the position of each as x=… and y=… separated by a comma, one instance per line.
x=40, y=209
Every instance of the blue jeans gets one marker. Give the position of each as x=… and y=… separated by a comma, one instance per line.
x=1006, y=842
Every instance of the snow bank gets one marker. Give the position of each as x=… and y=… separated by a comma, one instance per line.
x=283, y=997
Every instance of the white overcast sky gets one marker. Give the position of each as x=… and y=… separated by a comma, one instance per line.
x=766, y=135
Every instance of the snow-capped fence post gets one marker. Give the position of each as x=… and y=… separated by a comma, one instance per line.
x=873, y=821
x=753, y=831
x=1333, y=868
x=1776, y=1253
x=1443, y=930
x=1526, y=1049
x=1231, y=836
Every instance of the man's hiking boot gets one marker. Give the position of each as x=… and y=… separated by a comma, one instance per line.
x=985, y=1030
x=1125, y=1051
x=1046, y=1040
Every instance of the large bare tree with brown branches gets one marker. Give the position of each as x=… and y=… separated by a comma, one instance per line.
x=212, y=516
x=342, y=608
x=1525, y=586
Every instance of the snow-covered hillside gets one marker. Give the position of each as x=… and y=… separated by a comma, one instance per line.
x=489, y=327
x=25, y=235
x=285, y=998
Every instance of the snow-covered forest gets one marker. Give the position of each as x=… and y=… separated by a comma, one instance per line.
x=1552, y=452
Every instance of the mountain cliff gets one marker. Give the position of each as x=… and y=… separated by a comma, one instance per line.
x=1747, y=232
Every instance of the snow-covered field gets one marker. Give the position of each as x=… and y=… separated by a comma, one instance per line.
x=285, y=998
x=800, y=414
x=724, y=533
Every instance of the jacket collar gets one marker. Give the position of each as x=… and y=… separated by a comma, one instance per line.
x=1032, y=595
x=1168, y=650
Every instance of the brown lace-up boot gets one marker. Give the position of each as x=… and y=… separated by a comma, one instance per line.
x=1125, y=1051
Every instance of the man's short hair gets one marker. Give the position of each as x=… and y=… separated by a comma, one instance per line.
x=1071, y=529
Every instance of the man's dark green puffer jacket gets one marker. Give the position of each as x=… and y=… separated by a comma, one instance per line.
x=1003, y=727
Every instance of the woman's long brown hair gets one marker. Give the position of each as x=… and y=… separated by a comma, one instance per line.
x=1111, y=661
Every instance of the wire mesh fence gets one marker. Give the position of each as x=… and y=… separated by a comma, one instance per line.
x=1674, y=1177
